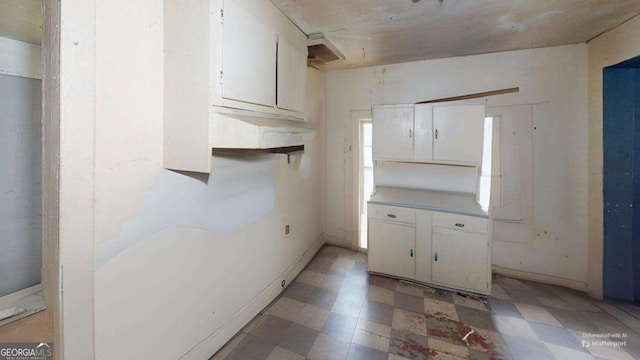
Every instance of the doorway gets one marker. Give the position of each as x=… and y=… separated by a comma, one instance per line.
x=20, y=178
x=365, y=171
x=621, y=180
x=359, y=179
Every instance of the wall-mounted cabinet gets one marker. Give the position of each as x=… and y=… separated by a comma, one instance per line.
x=232, y=54
x=430, y=133
x=249, y=57
x=443, y=249
x=393, y=132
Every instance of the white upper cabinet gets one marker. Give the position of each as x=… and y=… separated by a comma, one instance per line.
x=424, y=133
x=292, y=75
x=393, y=132
x=249, y=57
x=226, y=55
x=458, y=132
x=429, y=133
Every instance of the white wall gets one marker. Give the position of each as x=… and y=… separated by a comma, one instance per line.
x=178, y=255
x=553, y=81
x=610, y=48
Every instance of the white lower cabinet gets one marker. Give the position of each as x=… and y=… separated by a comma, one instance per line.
x=394, y=255
x=460, y=259
x=447, y=250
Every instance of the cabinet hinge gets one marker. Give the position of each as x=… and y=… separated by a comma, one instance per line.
x=221, y=15
x=220, y=77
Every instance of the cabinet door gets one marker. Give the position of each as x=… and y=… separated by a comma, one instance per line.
x=292, y=76
x=458, y=133
x=393, y=132
x=460, y=260
x=423, y=142
x=248, y=57
x=391, y=248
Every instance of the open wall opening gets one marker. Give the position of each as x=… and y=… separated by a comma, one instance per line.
x=21, y=255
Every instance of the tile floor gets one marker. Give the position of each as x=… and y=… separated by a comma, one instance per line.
x=334, y=310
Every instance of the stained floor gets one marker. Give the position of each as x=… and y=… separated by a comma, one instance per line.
x=334, y=310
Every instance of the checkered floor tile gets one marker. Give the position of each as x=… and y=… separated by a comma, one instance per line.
x=335, y=310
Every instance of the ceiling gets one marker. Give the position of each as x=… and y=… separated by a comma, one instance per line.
x=21, y=20
x=376, y=32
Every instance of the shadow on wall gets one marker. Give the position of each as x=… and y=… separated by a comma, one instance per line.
x=238, y=192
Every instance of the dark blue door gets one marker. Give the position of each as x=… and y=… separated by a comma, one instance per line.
x=621, y=143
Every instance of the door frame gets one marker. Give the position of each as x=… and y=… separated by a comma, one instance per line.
x=68, y=148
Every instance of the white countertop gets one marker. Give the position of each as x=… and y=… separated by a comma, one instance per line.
x=456, y=203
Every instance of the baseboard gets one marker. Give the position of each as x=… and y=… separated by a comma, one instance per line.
x=337, y=241
x=209, y=346
x=547, y=279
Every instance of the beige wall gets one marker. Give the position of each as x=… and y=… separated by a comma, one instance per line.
x=612, y=47
x=552, y=81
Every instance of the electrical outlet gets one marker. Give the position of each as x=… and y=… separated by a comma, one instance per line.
x=286, y=229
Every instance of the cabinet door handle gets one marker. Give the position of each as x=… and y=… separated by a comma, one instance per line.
x=391, y=216
x=436, y=133
x=410, y=133
x=435, y=257
x=460, y=225
x=411, y=253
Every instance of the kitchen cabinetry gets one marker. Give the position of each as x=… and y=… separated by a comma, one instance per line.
x=394, y=255
x=249, y=57
x=457, y=132
x=460, y=248
x=443, y=249
x=393, y=132
x=233, y=54
x=292, y=72
x=430, y=133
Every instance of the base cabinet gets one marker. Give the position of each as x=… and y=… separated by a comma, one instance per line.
x=394, y=245
x=446, y=250
x=461, y=259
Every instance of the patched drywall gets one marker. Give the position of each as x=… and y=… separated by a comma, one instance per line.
x=615, y=46
x=178, y=255
x=553, y=82
x=20, y=205
x=239, y=192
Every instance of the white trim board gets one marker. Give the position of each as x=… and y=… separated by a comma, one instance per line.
x=11, y=299
x=243, y=316
x=18, y=58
